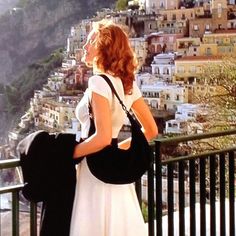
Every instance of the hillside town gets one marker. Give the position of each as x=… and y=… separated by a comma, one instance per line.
x=173, y=41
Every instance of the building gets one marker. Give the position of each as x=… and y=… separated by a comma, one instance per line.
x=139, y=46
x=160, y=42
x=154, y=6
x=189, y=119
x=222, y=43
x=188, y=46
x=77, y=36
x=163, y=96
x=214, y=18
x=163, y=66
x=56, y=115
x=189, y=69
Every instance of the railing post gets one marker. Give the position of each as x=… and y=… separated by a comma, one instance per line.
x=222, y=195
x=192, y=197
x=15, y=213
x=33, y=219
x=181, y=198
x=158, y=188
x=212, y=195
x=231, y=194
x=151, y=206
x=170, y=199
x=202, y=196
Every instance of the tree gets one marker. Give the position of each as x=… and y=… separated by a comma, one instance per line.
x=222, y=101
x=121, y=5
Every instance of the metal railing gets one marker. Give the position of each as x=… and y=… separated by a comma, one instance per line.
x=217, y=166
x=15, y=200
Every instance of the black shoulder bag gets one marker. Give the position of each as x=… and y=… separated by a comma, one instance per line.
x=118, y=166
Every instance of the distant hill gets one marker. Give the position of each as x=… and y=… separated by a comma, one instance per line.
x=36, y=29
x=30, y=32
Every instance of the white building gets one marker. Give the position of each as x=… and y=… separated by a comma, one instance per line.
x=153, y=6
x=68, y=63
x=164, y=96
x=77, y=36
x=163, y=66
x=189, y=118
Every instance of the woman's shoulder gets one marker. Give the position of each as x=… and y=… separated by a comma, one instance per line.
x=136, y=93
x=97, y=84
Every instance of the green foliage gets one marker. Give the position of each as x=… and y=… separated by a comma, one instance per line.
x=121, y=4
x=145, y=211
x=22, y=89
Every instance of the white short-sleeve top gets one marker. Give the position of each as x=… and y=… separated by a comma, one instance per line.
x=98, y=85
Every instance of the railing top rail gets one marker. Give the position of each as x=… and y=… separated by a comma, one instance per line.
x=199, y=155
x=9, y=163
x=194, y=137
x=11, y=188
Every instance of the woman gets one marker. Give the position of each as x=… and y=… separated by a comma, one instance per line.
x=102, y=209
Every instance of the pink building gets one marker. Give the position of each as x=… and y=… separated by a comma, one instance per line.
x=160, y=42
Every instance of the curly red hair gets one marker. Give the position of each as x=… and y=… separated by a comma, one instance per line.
x=114, y=53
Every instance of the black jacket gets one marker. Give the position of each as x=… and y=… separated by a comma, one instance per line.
x=50, y=176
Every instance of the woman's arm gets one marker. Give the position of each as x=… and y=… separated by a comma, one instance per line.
x=102, y=120
x=144, y=115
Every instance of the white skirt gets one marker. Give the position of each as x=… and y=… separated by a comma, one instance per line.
x=102, y=209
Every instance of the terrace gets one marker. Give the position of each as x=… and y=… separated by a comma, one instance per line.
x=190, y=194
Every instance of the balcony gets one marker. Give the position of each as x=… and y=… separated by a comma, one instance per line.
x=190, y=194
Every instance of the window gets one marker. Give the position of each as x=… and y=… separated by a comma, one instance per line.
x=177, y=97
x=193, y=69
x=208, y=51
x=207, y=27
x=195, y=27
x=180, y=69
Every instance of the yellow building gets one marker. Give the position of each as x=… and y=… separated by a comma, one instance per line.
x=182, y=14
x=188, y=69
x=56, y=115
x=188, y=46
x=219, y=44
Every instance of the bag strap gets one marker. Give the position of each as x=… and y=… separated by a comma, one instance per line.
x=129, y=115
x=116, y=94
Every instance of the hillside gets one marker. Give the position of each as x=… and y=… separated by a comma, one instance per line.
x=36, y=29
x=5, y=5
x=29, y=34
